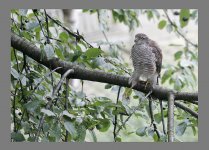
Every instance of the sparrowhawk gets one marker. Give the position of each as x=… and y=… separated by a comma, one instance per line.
x=147, y=60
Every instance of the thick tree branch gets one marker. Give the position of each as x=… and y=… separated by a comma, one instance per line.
x=93, y=75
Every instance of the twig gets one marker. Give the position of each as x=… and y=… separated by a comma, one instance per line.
x=68, y=31
x=14, y=114
x=194, y=114
x=162, y=116
x=37, y=85
x=46, y=36
x=116, y=65
x=134, y=110
x=170, y=117
x=194, y=102
x=50, y=101
x=152, y=119
x=66, y=104
x=41, y=122
x=47, y=27
x=39, y=21
x=116, y=116
x=174, y=25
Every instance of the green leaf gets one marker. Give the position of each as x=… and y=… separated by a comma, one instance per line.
x=149, y=14
x=178, y=55
x=33, y=105
x=108, y=86
x=155, y=137
x=37, y=35
x=31, y=139
x=141, y=131
x=55, y=131
x=158, y=117
x=66, y=113
x=127, y=92
x=27, y=128
x=14, y=73
x=64, y=36
x=181, y=128
x=184, y=17
x=70, y=127
x=178, y=84
x=104, y=125
x=162, y=24
x=49, y=50
x=17, y=137
x=78, y=48
x=47, y=112
x=27, y=35
x=59, y=53
x=81, y=130
x=76, y=55
x=194, y=130
x=93, y=52
x=46, y=127
x=118, y=139
x=166, y=75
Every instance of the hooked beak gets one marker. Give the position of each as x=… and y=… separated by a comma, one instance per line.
x=136, y=39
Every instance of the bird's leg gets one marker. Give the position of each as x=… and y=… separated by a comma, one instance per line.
x=147, y=82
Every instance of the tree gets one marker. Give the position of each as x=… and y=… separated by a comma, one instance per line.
x=45, y=107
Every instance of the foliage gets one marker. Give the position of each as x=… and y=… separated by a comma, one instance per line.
x=71, y=116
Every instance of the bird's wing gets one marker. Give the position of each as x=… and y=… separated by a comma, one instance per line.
x=158, y=55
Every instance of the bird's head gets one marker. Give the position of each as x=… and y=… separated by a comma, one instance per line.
x=141, y=38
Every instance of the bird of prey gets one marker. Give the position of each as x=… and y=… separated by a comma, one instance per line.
x=147, y=60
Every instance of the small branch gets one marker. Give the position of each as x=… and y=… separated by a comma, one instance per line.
x=47, y=27
x=152, y=119
x=37, y=85
x=194, y=114
x=162, y=116
x=116, y=116
x=68, y=31
x=66, y=104
x=70, y=71
x=194, y=102
x=14, y=114
x=39, y=21
x=177, y=31
x=171, y=117
x=129, y=116
x=41, y=122
x=50, y=102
